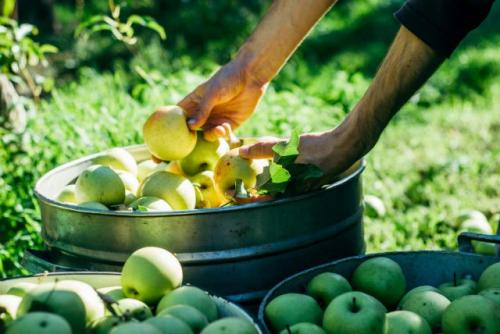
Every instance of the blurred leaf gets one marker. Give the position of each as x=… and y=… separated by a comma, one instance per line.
x=148, y=22
x=8, y=7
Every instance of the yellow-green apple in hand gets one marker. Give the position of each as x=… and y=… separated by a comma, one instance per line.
x=204, y=156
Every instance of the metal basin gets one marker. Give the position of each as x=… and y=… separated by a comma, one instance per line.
x=102, y=280
x=238, y=252
x=420, y=268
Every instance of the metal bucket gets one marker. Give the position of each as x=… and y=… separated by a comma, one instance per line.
x=238, y=252
x=102, y=280
x=420, y=268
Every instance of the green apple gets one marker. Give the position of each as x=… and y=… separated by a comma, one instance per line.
x=232, y=167
x=167, y=324
x=492, y=294
x=47, y=297
x=303, y=328
x=204, y=155
x=39, y=323
x=8, y=307
x=326, y=286
x=135, y=328
x=209, y=194
x=290, y=309
x=429, y=305
x=117, y=158
x=148, y=204
x=456, y=289
x=374, y=207
x=130, y=181
x=471, y=215
x=418, y=289
x=105, y=324
x=100, y=184
x=21, y=289
x=190, y=315
x=192, y=296
x=176, y=190
x=490, y=278
x=167, y=135
x=381, y=278
x=114, y=292
x=230, y=325
x=472, y=314
x=94, y=306
x=405, y=322
x=94, y=206
x=68, y=195
x=355, y=312
x=148, y=167
x=149, y=273
x=133, y=308
x=129, y=198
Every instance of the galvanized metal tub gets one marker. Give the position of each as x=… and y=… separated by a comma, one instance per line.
x=103, y=279
x=238, y=252
x=420, y=268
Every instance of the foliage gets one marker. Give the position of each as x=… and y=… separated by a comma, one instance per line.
x=19, y=53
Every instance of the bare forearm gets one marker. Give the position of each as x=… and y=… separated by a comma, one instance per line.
x=279, y=33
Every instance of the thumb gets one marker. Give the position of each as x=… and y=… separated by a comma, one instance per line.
x=200, y=115
x=262, y=150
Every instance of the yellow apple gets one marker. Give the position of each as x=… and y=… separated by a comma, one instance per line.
x=232, y=167
x=176, y=190
x=209, y=195
x=118, y=159
x=68, y=195
x=167, y=135
x=148, y=167
x=204, y=156
x=100, y=184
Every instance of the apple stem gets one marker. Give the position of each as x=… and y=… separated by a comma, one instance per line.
x=455, y=279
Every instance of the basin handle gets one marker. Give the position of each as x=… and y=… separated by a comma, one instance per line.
x=465, y=241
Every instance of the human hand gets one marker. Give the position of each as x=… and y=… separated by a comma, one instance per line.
x=224, y=102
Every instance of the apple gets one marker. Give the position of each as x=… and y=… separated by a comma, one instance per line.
x=355, y=312
x=290, y=309
x=129, y=198
x=21, y=289
x=135, y=328
x=190, y=315
x=118, y=159
x=416, y=290
x=100, y=184
x=326, y=286
x=39, y=323
x=68, y=195
x=471, y=215
x=167, y=324
x=471, y=314
x=175, y=167
x=192, y=296
x=232, y=167
x=176, y=190
x=456, y=289
x=230, y=325
x=149, y=204
x=114, y=292
x=484, y=248
x=8, y=307
x=167, y=135
x=204, y=156
x=94, y=306
x=381, y=278
x=130, y=181
x=209, y=195
x=149, y=273
x=374, y=207
x=303, y=328
x=398, y=322
x=133, y=308
x=105, y=324
x=490, y=278
x=148, y=167
x=429, y=305
x=93, y=206
x=492, y=294
x=47, y=297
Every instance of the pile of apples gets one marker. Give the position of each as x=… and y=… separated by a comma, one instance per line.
x=195, y=173
x=375, y=301
x=150, y=284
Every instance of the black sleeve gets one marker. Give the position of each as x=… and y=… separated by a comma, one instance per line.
x=443, y=24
